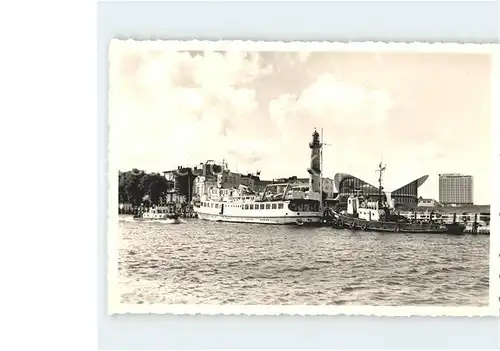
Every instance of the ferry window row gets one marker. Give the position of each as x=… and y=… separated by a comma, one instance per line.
x=273, y=206
x=210, y=204
x=216, y=205
x=267, y=206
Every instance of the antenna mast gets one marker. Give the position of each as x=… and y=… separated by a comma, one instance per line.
x=380, y=171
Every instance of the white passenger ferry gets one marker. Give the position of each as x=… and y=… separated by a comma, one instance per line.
x=280, y=203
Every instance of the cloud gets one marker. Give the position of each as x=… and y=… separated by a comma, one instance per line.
x=248, y=157
x=206, y=104
x=431, y=151
x=193, y=100
x=283, y=108
x=251, y=151
x=329, y=101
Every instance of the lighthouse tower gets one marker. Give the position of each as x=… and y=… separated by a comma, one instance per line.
x=315, y=169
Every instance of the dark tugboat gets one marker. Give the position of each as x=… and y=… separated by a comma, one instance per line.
x=379, y=216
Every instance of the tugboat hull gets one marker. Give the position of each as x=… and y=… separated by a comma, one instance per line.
x=396, y=227
x=365, y=214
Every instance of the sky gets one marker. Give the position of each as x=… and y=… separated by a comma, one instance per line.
x=421, y=113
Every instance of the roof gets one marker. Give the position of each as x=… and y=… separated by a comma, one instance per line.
x=466, y=208
x=419, y=182
x=453, y=175
x=341, y=176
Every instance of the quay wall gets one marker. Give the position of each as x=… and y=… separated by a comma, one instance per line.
x=462, y=214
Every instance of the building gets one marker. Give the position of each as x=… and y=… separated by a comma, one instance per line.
x=215, y=175
x=405, y=196
x=182, y=180
x=327, y=184
x=228, y=180
x=455, y=189
x=189, y=181
x=224, y=178
x=427, y=203
x=408, y=194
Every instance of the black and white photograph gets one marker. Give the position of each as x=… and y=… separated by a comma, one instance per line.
x=304, y=175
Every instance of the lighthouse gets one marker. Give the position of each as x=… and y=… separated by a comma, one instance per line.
x=314, y=170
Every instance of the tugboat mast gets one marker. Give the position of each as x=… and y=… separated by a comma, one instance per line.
x=380, y=171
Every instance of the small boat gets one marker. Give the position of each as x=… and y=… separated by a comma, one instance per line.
x=365, y=214
x=155, y=214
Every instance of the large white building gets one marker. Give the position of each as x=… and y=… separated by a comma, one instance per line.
x=455, y=189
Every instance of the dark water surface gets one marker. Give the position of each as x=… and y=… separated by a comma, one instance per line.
x=215, y=263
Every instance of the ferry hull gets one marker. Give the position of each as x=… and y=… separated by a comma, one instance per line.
x=313, y=219
x=298, y=212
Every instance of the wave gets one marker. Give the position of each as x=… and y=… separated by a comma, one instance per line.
x=301, y=269
x=484, y=282
x=437, y=270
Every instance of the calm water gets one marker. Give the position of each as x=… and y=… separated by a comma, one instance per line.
x=213, y=263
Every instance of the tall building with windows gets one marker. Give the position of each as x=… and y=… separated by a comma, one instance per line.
x=455, y=189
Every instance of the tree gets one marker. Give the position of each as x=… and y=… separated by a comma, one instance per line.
x=136, y=184
x=155, y=186
x=128, y=188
